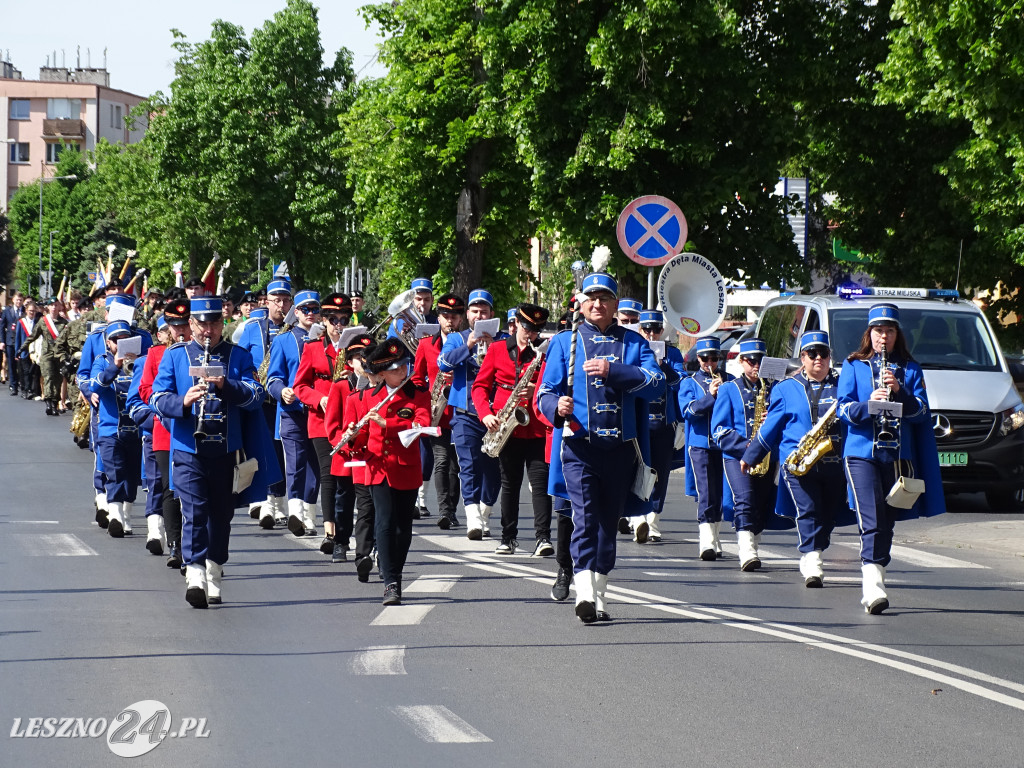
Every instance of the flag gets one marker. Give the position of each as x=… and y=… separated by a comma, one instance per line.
x=179, y=281
x=101, y=279
x=209, y=277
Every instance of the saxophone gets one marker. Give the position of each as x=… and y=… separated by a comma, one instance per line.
x=760, y=411
x=514, y=413
x=812, y=446
x=261, y=372
x=339, y=366
x=438, y=399
x=80, y=418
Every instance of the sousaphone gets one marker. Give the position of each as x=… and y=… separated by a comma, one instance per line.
x=691, y=293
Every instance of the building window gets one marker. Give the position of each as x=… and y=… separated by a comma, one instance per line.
x=63, y=109
x=116, y=116
x=53, y=151
x=19, y=152
x=19, y=109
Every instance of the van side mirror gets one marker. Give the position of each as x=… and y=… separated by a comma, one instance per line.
x=1016, y=370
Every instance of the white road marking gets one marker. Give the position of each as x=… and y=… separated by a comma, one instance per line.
x=651, y=560
x=31, y=522
x=438, y=724
x=380, y=660
x=922, y=559
x=401, y=615
x=877, y=654
x=658, y=573
x=432, y=583
x=53, y=545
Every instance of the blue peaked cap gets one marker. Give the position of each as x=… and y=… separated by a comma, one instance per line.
x=307, y=297
x=753, y=347
x=599, y=281
x=480, y=296
x=814, y=339
x=117, y=328
x=120, y=298
x=279, y=286
x=630, y=305
x=708, y=344
x=650, y=316
x=206, y=307
x=423, y=284
x=880, y=314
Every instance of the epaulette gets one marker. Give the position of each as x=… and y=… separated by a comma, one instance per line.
x=411, y=388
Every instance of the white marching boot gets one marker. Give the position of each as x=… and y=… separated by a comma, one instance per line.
x=474, y=525
x=812, y=569
x=115, y=523
x=654, y=526
x=309, y=517
x=254, y=510
x=641, y=529
x=214, y=574
x=485, y=518
x=749, y=561
x=156, y=534
x=600, y=604
x=716, y=542
x=586, y=607
x=126, y=516
x=101, y=509
x=421, y=498
x=269, y=512
x=195, y=585
x=875, y=600
x=278, y=507
x=706, y=541
x=296, y=511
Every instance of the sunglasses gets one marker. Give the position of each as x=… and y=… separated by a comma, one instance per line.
x=708, y=358
x=753, y=359
x=815, y=352
x=336, y=319
x=308, y=310
x=653, y=328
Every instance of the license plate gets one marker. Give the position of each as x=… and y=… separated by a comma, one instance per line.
x=952, y=459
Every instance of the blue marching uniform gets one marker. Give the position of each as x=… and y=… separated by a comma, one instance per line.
x=201, y=475
x=873, y=465
x=817, y=499
x=256, y=337
x=143, y=416
x=302, y=468
x=704, y=469
x=594, y=465
x=733, y=427
x=119, y=442
x=479, y=474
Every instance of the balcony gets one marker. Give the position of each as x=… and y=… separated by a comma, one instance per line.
x=64, y=129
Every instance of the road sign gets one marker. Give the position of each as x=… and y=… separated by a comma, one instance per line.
x=651, y=230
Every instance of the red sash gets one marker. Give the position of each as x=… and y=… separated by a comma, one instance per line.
x=25, y=326
x=54, y=331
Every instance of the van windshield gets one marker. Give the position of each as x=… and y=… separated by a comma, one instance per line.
x=937, y=338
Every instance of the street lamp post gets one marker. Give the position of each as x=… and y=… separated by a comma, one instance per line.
x=42, y=179
x=49, y=266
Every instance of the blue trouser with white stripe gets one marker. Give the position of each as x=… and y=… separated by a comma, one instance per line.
x=819, y=497
x=870, y=481
x=479, y=474
x=753, y=498
x=301, y=466
x=154, y=482
x=598, y=479
x=707, y=475
x=203, y=484
x=122, y=457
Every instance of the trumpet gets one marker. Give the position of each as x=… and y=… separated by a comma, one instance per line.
x=200, y=433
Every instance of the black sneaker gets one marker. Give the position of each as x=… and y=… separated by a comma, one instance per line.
x=507, y=547
x=327, y=545
x=363, y=568
x=391, y=596
x=339, y=553
x=174, y=555
x=560, y=590
x=543, y=548
x=416, y=513
x=424, y=512
x=444, y=522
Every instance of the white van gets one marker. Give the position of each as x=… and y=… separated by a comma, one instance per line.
x=977, y=414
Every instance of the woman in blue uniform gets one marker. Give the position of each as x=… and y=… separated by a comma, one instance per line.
x=881, y=449
x=815, y=494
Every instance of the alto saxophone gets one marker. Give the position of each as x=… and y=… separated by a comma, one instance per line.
x=80, y=418
x=438, y=399
x=812, y=446
x=760, y=411
x=339, y=366
x=514, y=413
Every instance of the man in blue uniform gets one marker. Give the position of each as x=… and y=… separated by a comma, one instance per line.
x=422, y=300
x=600, y=431
x=732, y=427
x=703, y=458
x=206, y=418
x=461, y=356
x=629, y=311
x=302, y=469
x=256, y=336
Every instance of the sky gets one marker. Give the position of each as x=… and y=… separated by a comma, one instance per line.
x=138, y=39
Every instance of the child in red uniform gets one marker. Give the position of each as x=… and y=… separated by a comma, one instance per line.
x=393, y=472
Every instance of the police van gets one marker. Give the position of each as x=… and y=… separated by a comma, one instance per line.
x=977, y=414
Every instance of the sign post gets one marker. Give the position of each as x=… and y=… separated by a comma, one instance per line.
x=651, y=230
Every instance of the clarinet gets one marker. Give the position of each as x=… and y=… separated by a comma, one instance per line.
x=200, y=433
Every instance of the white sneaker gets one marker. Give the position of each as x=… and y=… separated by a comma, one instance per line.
x=214, y=574
x=156, y=534
x=812, y=569
x=706, y=541
x=195, y=585
x=749, y=561
x=875, y=600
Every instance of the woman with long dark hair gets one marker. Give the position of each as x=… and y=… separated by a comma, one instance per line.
x=884, y=449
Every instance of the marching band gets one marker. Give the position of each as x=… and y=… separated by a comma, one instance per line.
x=296, y=410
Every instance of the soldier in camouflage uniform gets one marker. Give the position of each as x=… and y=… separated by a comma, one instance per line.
x=49, y=330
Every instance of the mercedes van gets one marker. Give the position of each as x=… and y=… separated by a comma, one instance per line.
x=977, y=414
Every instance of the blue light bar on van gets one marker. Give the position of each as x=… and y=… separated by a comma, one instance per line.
x=898, y=293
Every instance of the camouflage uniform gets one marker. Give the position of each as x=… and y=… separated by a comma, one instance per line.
x=49, y=361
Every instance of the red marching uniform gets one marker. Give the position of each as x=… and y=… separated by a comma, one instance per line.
x=445, y=464
x=345, y=406
x=501, y=369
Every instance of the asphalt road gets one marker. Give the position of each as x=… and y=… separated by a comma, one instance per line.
x=702, y=664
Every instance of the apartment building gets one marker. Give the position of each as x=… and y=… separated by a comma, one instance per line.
x=65, y=106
